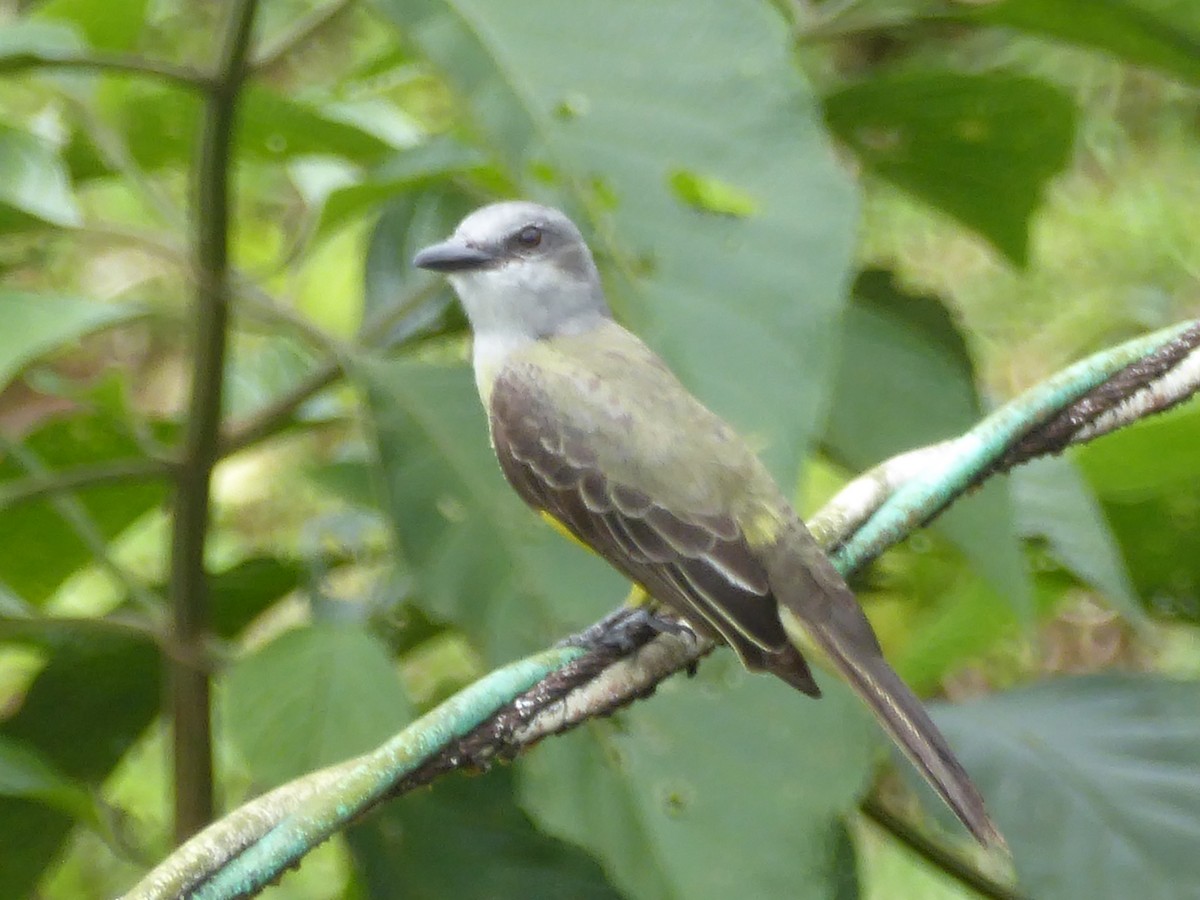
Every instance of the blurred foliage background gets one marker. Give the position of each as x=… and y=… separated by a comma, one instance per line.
x=851, y=227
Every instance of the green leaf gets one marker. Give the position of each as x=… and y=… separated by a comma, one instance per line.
x=593, y=106
x=723, y=786
x=25, y=774
x=712, y=195
x=481, y=559
x=37, y=324
x=34, y=187
x=424, y=164
x=1095, y=782
x=1152, y=457
x=1055, y=503
x=906, y=380
x=1163, y=34
x=158, y=124
x=41, y=550
x=241, y=592
x=407, y=224
x=467, y=839
x=979, y=147
x=312, y=697
x=84, y=710
x=1148, y=479
x=107, y=25
x=24, y=42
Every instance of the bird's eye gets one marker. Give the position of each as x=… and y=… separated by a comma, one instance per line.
x=529, y=236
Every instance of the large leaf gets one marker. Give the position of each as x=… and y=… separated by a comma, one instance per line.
x=979, y=147
x=684, y=138
x=34, y=187
x=468, y=840
x=36, y=324
x=312, y=697
x=729, y=785
x=1095, y=782
x=906, y=380
x=480, y=558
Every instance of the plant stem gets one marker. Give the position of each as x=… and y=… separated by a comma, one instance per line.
x=937, y=855
x=275, y=415
x=190, y=689
x=40, y=486
x=301, y=32
x=116, y=63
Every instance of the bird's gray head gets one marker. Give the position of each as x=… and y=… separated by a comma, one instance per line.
x=522, y=272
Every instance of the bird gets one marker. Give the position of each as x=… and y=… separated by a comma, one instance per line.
x=593, y=430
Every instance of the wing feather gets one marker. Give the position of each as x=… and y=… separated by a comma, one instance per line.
x=699, y=564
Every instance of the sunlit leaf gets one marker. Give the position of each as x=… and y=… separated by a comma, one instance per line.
x=111, y=26
x=37, y=324
x=34, y=187
x=23, y=42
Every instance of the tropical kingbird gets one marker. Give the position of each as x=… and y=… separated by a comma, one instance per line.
x=591, y=428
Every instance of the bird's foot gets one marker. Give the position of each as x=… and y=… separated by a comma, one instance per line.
x=627, y=629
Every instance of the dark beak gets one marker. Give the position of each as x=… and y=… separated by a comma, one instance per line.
x=452, y=256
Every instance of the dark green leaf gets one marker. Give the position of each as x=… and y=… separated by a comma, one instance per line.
x=979, y=147
x=34, y=187
x=1053, y=502
x=83, y=711
x=467, y=839
x=731, y=785
x=593, y=106
x=240, y=593
x=40, y=548
x=312, y=697
x=25, y=774
x=1095, y=782
x=906, y=380
x=480, y=558
x=37, y=324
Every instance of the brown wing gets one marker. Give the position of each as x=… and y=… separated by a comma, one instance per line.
x=700, y=565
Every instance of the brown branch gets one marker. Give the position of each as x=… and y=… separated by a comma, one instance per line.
x=190, y=689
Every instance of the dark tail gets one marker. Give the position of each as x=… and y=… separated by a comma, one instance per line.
x=816, y=607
